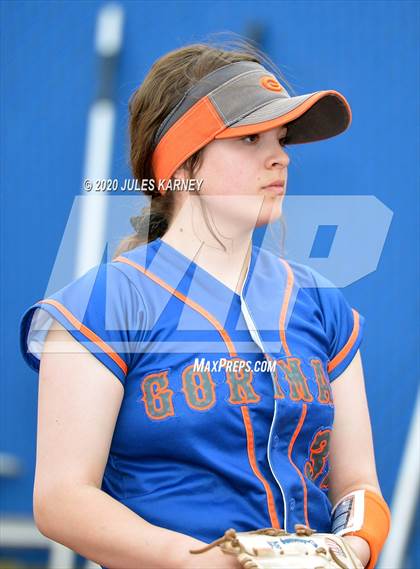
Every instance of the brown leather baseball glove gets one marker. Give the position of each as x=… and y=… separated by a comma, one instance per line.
x=272, y=548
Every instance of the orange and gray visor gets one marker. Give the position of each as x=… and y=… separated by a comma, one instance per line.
x=237, y=100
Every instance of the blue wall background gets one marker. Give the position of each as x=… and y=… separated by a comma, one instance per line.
x=366, y=50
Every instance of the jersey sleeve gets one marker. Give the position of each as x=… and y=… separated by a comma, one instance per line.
x=102, y=310
x=343, y=325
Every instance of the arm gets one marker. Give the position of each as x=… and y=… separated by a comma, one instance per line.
x=78, y=404
x=352, y=458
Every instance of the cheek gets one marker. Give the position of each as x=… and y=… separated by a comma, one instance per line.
x=227, y=174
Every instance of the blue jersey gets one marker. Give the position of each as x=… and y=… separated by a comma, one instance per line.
x=227, y=409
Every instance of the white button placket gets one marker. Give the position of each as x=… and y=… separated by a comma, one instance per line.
x=253, y=330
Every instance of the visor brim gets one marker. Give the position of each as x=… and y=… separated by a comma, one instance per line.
x=309, y=118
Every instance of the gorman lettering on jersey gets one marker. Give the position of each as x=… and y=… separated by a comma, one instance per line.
x=242, y=444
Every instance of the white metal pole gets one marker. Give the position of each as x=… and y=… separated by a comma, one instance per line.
x=100, y=132
x=405, y=498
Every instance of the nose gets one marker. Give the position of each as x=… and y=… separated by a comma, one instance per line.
x=277, y=157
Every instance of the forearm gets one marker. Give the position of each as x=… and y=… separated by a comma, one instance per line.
x=95, y=525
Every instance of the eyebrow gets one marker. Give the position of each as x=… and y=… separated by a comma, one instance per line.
x=280, y=129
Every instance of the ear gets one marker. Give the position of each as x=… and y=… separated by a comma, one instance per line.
x=180, y=174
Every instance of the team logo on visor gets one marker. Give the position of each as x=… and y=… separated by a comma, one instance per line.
x=269, y=82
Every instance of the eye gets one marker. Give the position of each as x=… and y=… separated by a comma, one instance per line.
x=251, y=137
x=283, y=141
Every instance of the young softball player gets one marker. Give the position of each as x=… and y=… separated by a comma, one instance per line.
x=199, y=382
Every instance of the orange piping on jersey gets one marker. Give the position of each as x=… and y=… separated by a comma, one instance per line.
x=88, y=333
x=253, y=462
x=348, y=346
x=188, y=301
x=292, y=442
x=285, y=306
x=232, y=351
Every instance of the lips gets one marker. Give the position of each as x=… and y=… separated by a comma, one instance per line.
x=275, y=184
x=276, y=187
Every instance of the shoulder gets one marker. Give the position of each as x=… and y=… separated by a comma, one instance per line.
x=306, y=287
x=134, y=265
x=102, y=284
x=299, y=275
x=311, y=283
x=102, y=309
x=101, y=298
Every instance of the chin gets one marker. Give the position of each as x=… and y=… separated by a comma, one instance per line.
x=271, y=211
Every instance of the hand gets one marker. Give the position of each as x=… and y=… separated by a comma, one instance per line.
x=360, y=547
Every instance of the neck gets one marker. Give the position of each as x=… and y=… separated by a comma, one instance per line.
x=224, y=253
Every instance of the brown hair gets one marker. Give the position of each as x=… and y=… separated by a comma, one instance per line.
x=164, y=86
